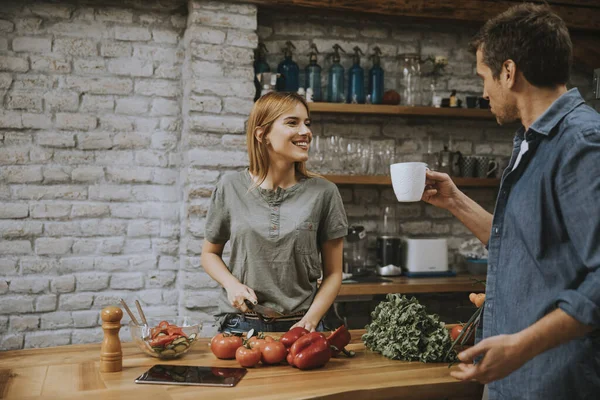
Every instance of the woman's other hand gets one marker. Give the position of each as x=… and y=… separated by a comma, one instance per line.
x=237, y=293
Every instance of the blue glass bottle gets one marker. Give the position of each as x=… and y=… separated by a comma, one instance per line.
x=260, y=66
x=376, y=78
x=313, y=74
x=356, y=79
x=335, y=85
x=289, y=71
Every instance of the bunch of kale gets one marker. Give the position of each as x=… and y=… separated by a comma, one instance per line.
x=402, y=330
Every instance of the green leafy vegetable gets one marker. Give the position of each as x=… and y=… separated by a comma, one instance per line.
x=402, y=330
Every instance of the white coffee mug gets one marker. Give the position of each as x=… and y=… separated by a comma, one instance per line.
x=408, y=180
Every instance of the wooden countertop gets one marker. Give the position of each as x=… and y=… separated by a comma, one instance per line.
x=72, y=373
x=404, y=285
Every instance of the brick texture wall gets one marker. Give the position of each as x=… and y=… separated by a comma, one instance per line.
x=108, y=156
x=118, y=118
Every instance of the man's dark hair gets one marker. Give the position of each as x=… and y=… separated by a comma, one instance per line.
x=534, y=37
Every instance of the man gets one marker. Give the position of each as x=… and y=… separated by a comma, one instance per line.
x=542, y=310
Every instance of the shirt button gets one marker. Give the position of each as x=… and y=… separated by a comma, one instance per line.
x=276, y=209
x=274, y=227
x=496, y=230
x=309, y=226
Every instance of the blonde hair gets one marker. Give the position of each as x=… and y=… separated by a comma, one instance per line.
x=265, y=112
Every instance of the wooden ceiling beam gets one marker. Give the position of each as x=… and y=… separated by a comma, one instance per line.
x=578, y=14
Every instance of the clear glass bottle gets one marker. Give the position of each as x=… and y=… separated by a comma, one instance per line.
x=411, y=80
x=389, y=224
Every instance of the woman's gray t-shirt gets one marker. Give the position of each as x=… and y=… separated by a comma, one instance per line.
x=276, y=237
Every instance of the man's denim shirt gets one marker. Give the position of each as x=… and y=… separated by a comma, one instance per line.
x=544, y=251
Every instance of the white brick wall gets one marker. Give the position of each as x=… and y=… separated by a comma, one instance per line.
x=80, y=123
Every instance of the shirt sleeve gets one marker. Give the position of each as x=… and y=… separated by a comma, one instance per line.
x=579, y=193
x=218, y=220
x=333, y=224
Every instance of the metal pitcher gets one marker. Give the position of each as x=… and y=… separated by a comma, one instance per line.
x=449, y=162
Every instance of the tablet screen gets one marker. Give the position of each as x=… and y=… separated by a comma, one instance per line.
x=190, y=375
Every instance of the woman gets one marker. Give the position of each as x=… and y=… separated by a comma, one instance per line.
x=285, y=224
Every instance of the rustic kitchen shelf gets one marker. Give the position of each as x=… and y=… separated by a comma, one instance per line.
x=386, y=181
x=404, y=285
x=338, y=108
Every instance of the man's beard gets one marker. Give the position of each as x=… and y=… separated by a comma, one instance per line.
x=508, y=114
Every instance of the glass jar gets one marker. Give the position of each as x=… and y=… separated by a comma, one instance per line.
x=411, y=80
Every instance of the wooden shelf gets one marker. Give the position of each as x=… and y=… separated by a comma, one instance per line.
x=404, y=285
x=387, y=181
x=338, y=108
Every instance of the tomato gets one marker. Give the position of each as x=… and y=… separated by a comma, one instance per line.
x=456, y=330
x=163, y=340
x=175, y=330
x=247, y=357
x=256, y=343
x=224, y=345
x=292, y=335
x=273, y=352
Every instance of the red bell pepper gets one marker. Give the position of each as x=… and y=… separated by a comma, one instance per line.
x=292, y=335
x=310, y=351
x=339, y=339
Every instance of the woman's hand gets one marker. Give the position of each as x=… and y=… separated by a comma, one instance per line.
x=307, y=324
x=440, y=190
x=237, y=293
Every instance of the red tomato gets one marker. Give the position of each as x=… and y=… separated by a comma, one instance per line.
x=273, y=352
x=255, y=342
x=247, y=357
x=224, y=345
x=456, y=330
x=162, y=340
x=175, y=330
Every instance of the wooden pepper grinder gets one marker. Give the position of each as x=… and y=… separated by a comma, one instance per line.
x=111, y=357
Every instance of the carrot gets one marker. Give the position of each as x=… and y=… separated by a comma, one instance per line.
x=477, y=299
x=472, y=297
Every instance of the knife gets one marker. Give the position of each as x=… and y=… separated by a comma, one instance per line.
x=263, y=310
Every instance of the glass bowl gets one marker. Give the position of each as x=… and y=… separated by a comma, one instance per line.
x=166, y=337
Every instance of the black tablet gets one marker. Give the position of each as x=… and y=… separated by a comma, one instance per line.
x=191, y=375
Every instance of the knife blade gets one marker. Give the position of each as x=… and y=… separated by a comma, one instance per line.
x=263, y=310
